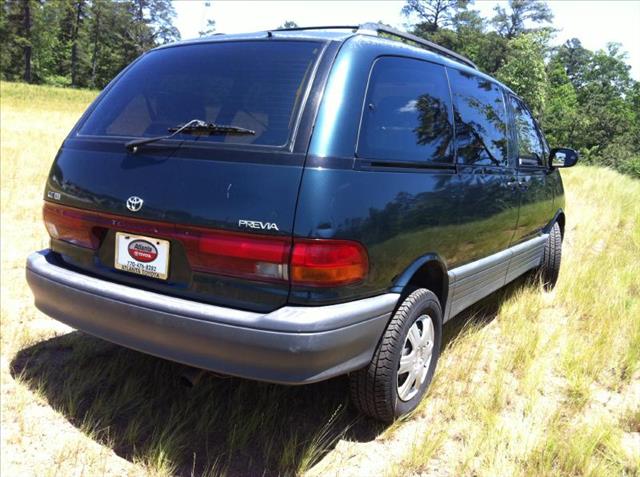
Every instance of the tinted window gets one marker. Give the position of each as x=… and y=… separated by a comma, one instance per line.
x=480, y=118
x=253, y=84
x=531, y=150
x=407, y=113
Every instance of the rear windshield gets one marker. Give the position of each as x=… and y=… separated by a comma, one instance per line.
x=256, y=85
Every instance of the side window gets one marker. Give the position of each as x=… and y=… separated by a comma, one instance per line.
x=531, y=148
x=480, y=118
x=407, y=113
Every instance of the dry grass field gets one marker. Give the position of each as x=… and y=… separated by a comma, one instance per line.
x=529, y=383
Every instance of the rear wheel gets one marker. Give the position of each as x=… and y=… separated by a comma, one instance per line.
x=402, y=367
x=550, y=266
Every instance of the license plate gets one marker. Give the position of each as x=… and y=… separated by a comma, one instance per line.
x=141, y=255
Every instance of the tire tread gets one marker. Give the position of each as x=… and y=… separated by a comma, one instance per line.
x=552, y=256
x=369, y=387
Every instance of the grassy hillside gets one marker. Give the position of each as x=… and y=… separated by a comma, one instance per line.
x=530, y=383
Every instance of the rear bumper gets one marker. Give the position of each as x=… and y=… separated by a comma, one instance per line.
x=292, y=345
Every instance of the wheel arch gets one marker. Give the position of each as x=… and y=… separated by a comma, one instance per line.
x=559, y=218
x=428, y=271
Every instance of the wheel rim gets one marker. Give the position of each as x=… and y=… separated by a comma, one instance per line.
x=416, y=358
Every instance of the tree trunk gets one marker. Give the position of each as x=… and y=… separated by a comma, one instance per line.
x=96, y=42
x=74, y=44
x=26, y=18
x=140, y=28
x=436, y=17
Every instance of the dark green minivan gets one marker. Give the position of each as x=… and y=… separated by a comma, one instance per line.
x=294, y=205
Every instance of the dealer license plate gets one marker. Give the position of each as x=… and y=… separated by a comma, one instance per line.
x=146, y=256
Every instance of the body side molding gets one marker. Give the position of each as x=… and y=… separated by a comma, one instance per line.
x=474, y=281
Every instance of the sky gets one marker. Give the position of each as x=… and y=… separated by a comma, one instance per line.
x=595, y=23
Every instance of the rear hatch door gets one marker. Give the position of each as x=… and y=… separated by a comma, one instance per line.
x=195, y=198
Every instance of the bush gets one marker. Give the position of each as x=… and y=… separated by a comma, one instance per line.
x=58, y=80
x=618, y=155
x=631, y=167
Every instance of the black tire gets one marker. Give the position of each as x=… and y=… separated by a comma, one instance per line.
x=550, y=266
x=374, y=389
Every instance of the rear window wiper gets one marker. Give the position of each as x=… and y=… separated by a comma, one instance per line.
x=196, y=127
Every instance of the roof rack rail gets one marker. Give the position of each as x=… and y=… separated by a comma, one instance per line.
x=426, y=44
x=321, y=27
x=377, y=28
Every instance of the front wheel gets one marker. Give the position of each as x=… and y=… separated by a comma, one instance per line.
x=550, y=266
x=403, y=364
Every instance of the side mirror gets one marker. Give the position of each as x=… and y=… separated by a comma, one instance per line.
x=563, y=157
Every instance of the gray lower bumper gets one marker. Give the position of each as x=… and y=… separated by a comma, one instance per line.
x=292, y=345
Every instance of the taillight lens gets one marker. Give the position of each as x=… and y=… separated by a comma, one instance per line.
x=307, y=262
x=235, y=254
x=328, y=263
x=70, y=225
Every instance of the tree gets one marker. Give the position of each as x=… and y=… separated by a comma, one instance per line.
x=512, y=22
x=73, y=13
x=152, y=24
x=524, y=70
x=575, y=60
x=453, y=25
x=26, y=34
x=27, y=39
x=161, y=16
x=288, y=24
x=435, y=14
x=603, y=99
x=466, y=19
x=209, y=29
x=106, y=25
x=10, y=38
x=561, y=119
x=593, y=105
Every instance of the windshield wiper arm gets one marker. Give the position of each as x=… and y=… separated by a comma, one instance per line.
x=208, y=129
x=196, y=127
x=133, y=145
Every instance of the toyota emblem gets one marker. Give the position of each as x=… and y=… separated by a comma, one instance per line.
x=134, y=203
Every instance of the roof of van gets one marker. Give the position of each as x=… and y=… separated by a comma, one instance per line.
x=343, y=32
x=369, y=32
x=262, y=35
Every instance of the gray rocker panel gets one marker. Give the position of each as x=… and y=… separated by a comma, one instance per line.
x=471, y=282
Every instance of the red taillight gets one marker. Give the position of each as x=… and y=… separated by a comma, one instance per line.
x=328, y=263
x=70, y=225
x=235, y=254
x=312, y=262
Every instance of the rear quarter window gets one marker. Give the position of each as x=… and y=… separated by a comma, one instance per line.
x=407, y=113
x=532, y=150
x=480, y=118
x=258, y=85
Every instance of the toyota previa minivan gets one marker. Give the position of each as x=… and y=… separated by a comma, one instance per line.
x=294, y=205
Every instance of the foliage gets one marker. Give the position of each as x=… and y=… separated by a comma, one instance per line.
x=524, y=70
x=583, y=99
x=561, y=119
x=435, y=14
x=210, y=29
x=511, y=22
x=82, y=43
x=289, y=24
